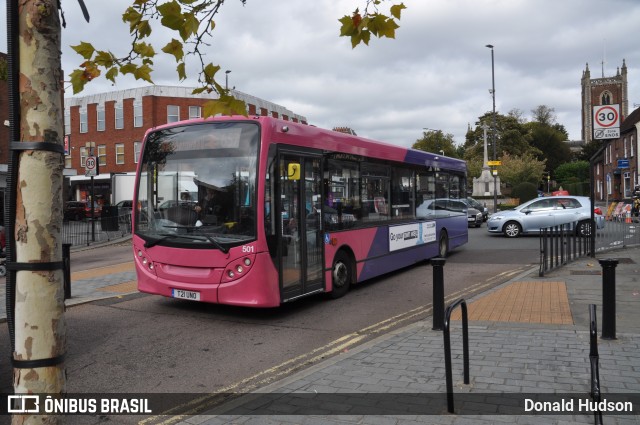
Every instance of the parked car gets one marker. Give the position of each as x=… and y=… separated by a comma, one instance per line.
x=79, y=210
x=539, y=213
x=474, y=217
x=477, y=205
x=124, y=210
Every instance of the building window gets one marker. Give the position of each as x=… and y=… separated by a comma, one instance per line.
x=67, y=121
x=84, y=124
x=119, y=116
x=625, y=148
x=137, y=147
x=102, y=155
x=173, y=113
x=137, y=113
x=631, y=154
x=606, y=98
x=84, y=153
x=100, y=117
x=67, y=161
x=626, y=182
x=120, y=153
x=195, y=112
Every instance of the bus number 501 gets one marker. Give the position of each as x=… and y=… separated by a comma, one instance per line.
x=247, y=248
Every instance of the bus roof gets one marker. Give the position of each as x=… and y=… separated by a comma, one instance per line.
x=304, y=135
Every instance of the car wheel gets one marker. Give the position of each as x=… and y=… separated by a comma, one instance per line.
x=443, y=245
x=341, y=275
x=583, y=228
x=479, y=223
x=512, y=229
x=3, y=270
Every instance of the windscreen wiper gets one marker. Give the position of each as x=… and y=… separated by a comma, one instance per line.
x=164, y=237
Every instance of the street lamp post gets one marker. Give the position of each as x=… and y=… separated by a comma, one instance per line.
x=226, y=79
x=493, y=132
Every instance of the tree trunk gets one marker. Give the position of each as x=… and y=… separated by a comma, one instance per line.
x=40, y=328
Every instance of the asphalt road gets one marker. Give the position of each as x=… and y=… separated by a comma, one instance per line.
x=150, y=344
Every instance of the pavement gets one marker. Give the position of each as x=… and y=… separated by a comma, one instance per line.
x=529, y=347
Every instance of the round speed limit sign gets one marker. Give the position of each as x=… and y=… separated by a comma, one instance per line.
x=606, y=116
x=90, y=166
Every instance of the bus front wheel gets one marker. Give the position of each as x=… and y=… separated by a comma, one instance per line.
x=341, y=275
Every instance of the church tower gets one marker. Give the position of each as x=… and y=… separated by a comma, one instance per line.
x=603, y=91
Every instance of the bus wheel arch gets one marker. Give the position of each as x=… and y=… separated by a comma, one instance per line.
x=342, y=273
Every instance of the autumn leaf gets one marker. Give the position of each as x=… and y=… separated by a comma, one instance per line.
x=396, y=9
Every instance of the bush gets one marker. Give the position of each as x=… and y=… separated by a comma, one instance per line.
x=525, y=191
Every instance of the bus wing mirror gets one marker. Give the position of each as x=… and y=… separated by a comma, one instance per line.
x=293, y=171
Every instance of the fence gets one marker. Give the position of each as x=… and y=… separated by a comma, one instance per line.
x=102, y=229
x=560, y=245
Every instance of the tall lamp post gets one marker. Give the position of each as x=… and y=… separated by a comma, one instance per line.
x=493, y=132
x=226, y=79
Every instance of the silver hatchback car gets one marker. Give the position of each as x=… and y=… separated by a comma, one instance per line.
x=539, y=213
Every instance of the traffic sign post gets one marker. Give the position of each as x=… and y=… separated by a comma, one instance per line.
x=91, y=167
x=606, y=122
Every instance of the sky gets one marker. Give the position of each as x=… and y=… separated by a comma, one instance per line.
x=436, y=74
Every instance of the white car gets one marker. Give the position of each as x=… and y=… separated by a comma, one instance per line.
x=534, y=215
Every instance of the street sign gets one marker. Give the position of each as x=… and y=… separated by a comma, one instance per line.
x=494, y=163
x=623, y=163
x=606, y=122
x=90, y=166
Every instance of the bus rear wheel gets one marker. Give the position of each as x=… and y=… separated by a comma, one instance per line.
x=341, y=275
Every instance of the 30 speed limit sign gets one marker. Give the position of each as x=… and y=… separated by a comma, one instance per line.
x=606, y=121
x=90, y=166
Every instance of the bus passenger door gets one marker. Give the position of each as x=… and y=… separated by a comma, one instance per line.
x=301, y=225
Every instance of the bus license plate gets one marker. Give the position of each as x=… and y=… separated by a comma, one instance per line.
x=185, y=295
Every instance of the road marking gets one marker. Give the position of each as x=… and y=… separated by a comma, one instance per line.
x=267, y=376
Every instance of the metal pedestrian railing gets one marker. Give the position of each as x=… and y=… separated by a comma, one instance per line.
x=98, y=230
x=562, y=244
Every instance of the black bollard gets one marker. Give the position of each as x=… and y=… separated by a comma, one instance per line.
x=66, y=258
x=609, y=297
x=438, y=293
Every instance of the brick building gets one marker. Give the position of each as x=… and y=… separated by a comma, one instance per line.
x=616, y=169
x=113, y=125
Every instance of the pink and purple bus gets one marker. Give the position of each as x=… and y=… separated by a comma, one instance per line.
x=257, y=211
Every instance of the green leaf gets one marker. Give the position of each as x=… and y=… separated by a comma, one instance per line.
x=78, y=80
x=84, y=49
x=210, y=72
x=131, y=16
x=144, y=29
x=225, y=105
x=190, y=27
x=171, y=15
x=182, y=73
x=396, y=9
x=144, y=50
x=129, y=68
x=143, y=73
x=388, y=29
x=174, y=47
x=105, y=59
x=112, y=74
x=347, y=29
